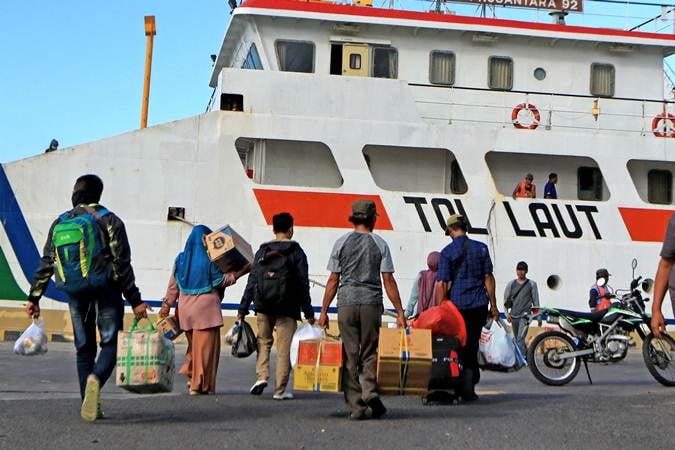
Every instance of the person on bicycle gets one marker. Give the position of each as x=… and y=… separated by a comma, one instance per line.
x=601, y=293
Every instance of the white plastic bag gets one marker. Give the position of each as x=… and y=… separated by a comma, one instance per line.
x=232, y=334
x=303, y=333
x=497, y=348
x=33, y=341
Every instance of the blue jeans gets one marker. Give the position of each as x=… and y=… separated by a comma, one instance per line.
x=105, y=310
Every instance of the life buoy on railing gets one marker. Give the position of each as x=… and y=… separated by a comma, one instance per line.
x=660, y=125
x=536, y=117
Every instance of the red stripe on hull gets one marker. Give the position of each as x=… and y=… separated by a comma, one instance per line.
x=332, y=8
x=317, y=209
x=646, y=225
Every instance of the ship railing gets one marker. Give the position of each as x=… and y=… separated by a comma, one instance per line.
x=544, y=110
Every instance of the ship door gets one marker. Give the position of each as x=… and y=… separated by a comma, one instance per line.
x=355, y=60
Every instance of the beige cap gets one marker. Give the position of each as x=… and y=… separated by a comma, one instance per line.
x=453, y=219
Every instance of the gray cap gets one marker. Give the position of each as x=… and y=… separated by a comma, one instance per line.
x=364, y=208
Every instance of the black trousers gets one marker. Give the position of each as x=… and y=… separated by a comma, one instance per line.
x=474, y=318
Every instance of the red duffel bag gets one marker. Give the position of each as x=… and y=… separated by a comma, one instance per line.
x=444, y=319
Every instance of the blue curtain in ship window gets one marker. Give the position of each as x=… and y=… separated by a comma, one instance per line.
x=295, y=56
x=252, y=60
x=385, y=62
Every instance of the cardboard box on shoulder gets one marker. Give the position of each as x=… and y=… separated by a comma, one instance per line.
x=319, y=367
x=404, y=361
x=228, y=250
x=145, y=361
x=169, y=328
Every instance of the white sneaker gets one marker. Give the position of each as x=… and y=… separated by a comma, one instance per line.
x=284, y=396
x=258, y=387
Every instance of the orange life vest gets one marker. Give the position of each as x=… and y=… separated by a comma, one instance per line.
x=522, y=190
x=603, y=301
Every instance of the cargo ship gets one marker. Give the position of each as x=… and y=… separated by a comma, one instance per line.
x=316, y=104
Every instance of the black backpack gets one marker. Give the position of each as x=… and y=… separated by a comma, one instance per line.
x=275, y=279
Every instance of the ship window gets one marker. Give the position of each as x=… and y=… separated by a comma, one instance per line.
x=288, y=163
x=660, y=186
x=385, y=62
x=508, y=169
x=589, y=183
x=442, y=67
x=602, y=80
x=500, y=73
x=252, y=60
x=415, y=169
x=354, y=61
x=295, y=56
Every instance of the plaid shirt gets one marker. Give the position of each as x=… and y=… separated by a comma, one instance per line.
x=467, y=288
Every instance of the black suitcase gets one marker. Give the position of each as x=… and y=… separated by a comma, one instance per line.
x=446, y=370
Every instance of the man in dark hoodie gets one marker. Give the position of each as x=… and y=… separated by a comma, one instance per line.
x=278, y=287
x=104, y=307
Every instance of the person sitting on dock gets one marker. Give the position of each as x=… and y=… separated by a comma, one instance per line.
x=526, y=188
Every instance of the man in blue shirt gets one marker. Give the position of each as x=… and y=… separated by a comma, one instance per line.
x=467, y=266
x=549, y=189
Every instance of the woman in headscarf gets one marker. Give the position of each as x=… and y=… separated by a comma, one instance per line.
x=422, y=294
x=199, y=285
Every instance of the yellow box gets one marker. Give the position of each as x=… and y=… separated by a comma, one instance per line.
x=328, y=380
x=404, y=361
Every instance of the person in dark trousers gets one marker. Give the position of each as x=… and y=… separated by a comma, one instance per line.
x=665, y=278
x=280, y=314
x=358, y=260
x=466, y=269
x=549, y=188
x=103, y=309
x=520, y=296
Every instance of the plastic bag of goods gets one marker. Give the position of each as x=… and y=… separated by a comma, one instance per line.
x=246, y=344
x=305, y=332
x=232, y=334
x=497, y=348
x=33, y=341
x=444, y=319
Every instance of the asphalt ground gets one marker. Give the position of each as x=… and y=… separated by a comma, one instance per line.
x=624, y=408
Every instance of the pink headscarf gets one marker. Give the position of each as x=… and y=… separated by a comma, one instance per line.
x=427, y=282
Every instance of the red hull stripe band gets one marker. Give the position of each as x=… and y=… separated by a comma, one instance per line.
x=646, y=225
x=317, y=209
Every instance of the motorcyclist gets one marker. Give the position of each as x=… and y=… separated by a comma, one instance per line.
x=601, y=293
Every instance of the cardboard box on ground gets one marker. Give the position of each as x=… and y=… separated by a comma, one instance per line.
x=145, y=361
x=228, y=250
x=319, y=367
x=404, y=361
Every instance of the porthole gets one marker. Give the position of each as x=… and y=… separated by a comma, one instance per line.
x=539, y=73
x=553, y=282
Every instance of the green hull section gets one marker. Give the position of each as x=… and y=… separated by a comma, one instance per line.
x=9, y=289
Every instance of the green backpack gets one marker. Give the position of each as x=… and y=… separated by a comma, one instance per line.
x=83, y=263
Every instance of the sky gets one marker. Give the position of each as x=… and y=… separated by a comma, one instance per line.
x=73, y=69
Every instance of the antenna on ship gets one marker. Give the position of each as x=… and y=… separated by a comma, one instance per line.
x=150, y=32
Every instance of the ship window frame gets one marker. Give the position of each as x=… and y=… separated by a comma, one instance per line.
x=252, y=59
x=374, y=49
x=451, y=79
x=295, y=42
x=355, y=62
x=509, y=85
x=598, y=185
x=592, y=86
x=651, y=196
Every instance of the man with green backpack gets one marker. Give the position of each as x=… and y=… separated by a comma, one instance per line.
x=88, y=251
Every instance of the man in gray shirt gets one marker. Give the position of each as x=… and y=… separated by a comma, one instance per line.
x=520, y=296
x=664, y=277
x=357, y=262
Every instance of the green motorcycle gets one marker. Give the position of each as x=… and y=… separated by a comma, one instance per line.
x=555, y=357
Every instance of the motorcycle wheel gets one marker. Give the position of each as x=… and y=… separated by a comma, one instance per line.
x=659, y=356
x=544, y=363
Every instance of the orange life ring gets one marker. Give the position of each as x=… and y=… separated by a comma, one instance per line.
x=660, y=131
x=529, y=107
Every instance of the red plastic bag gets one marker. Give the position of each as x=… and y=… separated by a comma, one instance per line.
x=444, y=319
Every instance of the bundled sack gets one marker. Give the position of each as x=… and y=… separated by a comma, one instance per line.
x=305, y=332
x=247, y=343
x=145, y=360
x=33, y=341
x=497, y=348
x=444, y=320
x=232, y=334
